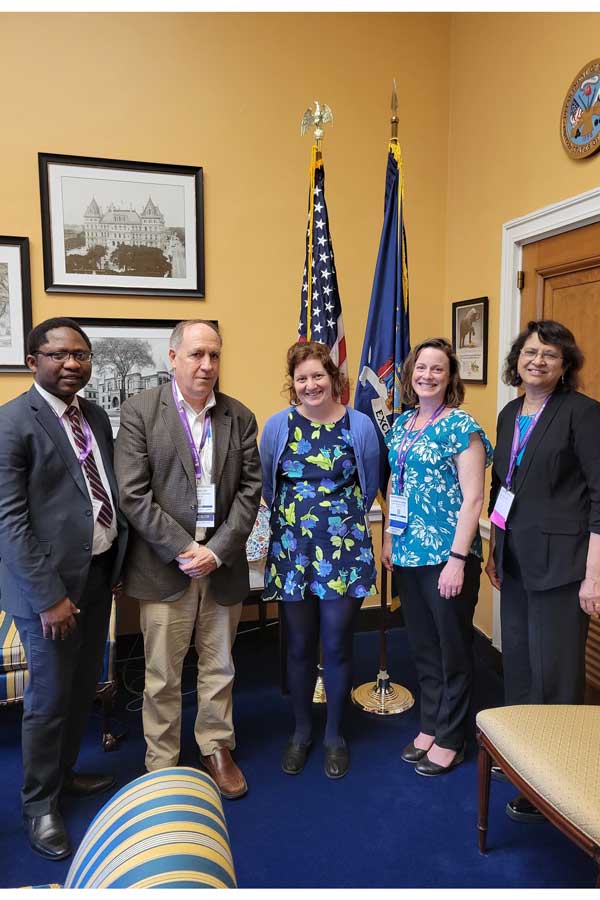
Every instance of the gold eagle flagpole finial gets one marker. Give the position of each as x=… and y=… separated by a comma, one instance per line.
x=322, y=115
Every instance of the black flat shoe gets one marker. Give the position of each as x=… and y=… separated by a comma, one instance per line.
x=337, y=761
x=521, y=810
x=430, y=769
x=47, y=835
x=412, y=754
x=82, y=785
x=294, y=757
x=498, y=774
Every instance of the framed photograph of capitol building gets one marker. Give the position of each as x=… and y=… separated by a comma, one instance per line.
x=470, y=338
x=15, y=303
x=121, y=227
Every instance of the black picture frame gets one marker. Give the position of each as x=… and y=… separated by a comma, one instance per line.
x=15, y=303
x=153, y=248
x=102, y=387
x=470, y=338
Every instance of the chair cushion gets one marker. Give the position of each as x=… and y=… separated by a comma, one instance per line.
x=12, y=655
x=165, y=829
x=555, y=749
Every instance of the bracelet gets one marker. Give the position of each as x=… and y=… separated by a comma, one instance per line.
x=458, y=556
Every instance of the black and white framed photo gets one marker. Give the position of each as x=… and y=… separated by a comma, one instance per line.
x=120, y=227
x=130, y=355
x=470, y=338
x=15, y=303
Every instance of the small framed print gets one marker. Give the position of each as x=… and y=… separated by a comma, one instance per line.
x=470, y=338
x=15, y=303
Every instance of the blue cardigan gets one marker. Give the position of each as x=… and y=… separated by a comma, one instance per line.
x=366, y=449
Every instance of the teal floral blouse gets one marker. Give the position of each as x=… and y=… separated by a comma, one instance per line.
x=432, y=487
x=319, y=539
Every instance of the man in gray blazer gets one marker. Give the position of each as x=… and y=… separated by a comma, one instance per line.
x=190, y=482
x=62, y=543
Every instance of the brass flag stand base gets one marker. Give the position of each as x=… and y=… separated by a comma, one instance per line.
x=382, y=697
x=319, y=695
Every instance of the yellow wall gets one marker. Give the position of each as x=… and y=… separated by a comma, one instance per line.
x=227, y=91
x=480, y=98
x=509, y=74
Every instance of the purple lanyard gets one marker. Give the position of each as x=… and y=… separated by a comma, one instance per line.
x=519, y=444
x=403, y=452
x=206, y=432
x=87, y=433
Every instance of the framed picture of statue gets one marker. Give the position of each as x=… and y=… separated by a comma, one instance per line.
x=15, y=303
x=121, y=227
x=130, y=356
x=470, y=338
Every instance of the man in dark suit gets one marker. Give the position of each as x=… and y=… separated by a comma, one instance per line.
x=62, y=542
x=190, y=482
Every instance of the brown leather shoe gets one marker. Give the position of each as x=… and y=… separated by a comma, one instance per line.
x=229, y=778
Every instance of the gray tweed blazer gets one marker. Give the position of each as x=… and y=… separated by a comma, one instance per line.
x=156, y=481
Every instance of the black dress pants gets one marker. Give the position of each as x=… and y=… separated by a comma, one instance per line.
x=440, y=633
x=543, y=639
x=62, y=682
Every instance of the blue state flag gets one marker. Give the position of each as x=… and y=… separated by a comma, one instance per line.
x=387, y=340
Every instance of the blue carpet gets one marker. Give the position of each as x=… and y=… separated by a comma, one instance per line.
x=381, y=826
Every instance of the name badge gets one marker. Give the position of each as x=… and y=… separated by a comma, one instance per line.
x=205, y=498
x=501, y=509
x=397, y=514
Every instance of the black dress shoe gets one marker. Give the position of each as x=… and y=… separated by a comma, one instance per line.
x=47, y=835
x=521, y=810
x=294, y=757
x=412, y=754
x=80, y=785
x=430, y=769
x=337, y=761
x=498, y=774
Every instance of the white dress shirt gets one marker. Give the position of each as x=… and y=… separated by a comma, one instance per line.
x=196, y=423
x=103, y=537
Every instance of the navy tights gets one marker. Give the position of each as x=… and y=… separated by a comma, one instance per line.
x=335, y=620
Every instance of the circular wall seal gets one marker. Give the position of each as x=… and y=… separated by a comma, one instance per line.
x=580, y=116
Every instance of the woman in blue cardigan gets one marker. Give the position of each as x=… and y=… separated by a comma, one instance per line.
x=320, y=463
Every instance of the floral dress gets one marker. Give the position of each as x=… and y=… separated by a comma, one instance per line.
x=319, y=538
x=432, y=487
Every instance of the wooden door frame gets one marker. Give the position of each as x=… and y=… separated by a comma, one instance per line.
x=574, y=212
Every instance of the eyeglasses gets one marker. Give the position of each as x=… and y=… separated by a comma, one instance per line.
x=546, y=355
x=79, y=356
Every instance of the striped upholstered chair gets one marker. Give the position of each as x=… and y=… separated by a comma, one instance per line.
x=13, y=671
x=166, y=829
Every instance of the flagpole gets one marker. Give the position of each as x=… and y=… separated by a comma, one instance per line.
x=322, y=115
x=384, y=697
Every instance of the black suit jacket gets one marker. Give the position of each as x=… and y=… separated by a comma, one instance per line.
x=556, y=487
x=46, y=516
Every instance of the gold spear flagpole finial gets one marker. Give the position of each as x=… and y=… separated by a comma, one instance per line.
x=322, y=115
x=394, y=120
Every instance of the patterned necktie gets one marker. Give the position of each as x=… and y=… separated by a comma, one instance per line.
x=91, y=469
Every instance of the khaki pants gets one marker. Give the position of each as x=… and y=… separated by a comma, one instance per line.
x=167, y=629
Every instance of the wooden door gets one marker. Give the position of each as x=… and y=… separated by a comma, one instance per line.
x=562, y=282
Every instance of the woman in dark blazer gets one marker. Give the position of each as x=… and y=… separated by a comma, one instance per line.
x=545, y=509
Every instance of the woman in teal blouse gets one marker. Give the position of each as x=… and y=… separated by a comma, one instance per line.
x=437, y=455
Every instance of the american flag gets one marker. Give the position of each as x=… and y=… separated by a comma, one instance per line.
x=320, y=305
